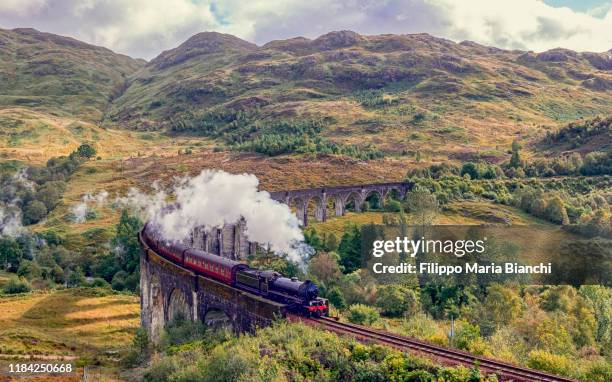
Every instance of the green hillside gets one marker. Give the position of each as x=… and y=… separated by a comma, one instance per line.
x=395, y=92
x=60, y=75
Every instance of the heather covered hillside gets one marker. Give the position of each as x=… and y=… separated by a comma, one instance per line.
x=397, y=93
x=60, y=75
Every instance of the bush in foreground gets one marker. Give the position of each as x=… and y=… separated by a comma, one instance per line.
x=362, y=314
x=289, y=352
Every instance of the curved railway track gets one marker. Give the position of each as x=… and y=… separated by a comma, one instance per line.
x=506, y=371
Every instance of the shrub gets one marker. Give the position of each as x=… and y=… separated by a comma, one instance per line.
x=119, y=280
x=466, y=334
x=29, y=270
x=16, y=285
x=543, y=360
x=395, y=300
x=181, y=330
x=161, y=370
x=86, y=151
x=362, y=314
x=393, y=206
x=599, y=372
x=99, y=282
x=140, y=350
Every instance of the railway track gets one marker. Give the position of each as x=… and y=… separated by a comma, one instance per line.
x=506, y=371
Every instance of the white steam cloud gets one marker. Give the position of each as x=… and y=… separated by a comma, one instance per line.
x=81, y=210
x=214, y=198
x=10, y=221
x=10, y=213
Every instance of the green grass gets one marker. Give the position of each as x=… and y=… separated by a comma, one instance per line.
x=80, y=323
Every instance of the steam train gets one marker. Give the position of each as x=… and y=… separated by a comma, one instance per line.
x=299, y=296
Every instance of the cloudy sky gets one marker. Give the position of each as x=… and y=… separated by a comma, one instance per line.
x=144, y=28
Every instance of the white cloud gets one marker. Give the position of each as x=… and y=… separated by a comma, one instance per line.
x=527, y=24
x=143, y=28
x=20, y=7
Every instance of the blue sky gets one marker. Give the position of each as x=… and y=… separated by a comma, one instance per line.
x=577, y=5
x=144, y=28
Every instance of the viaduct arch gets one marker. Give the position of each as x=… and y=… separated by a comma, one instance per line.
x=339, y=196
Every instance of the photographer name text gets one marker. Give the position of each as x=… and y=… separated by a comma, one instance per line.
x=467, y=268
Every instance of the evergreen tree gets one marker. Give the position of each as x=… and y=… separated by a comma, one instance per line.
x=350, y=249
x=313, y=239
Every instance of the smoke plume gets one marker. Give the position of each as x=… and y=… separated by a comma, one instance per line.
x=10, y=221
x=81, y=210
x=214, y=198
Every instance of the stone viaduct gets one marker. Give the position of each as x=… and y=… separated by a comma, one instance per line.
x=168, y=290
x=336, y=198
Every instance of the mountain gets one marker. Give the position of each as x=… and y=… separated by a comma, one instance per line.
x=397, y=92
x=60, y=75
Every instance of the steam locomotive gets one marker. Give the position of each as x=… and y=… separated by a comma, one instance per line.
x=299, y=296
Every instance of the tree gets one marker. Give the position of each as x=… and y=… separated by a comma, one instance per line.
x=126, y=242
x=50, y=193
x=86, y=151
x=331, y=242
x=76, y=278
x=34, y=212
x=423, y=206
x=58, y=274
x=515, y=160
x=313, y=239
x=600, y=297
x=336, y=297
x=29, y=270
x=501, y=305
x=350, y=249
x=393, y=206
x=556, y=212
x=325, y=268
x=10, y=254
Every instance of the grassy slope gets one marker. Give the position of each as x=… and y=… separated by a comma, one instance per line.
x=539, y=239
x=34, y=137
x=60, y=75
x=76, y=324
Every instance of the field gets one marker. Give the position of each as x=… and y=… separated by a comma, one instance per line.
x=464, y=213
x=79, y=325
